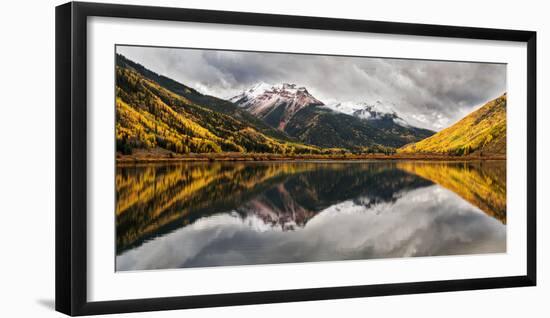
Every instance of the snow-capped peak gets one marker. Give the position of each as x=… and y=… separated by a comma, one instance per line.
x=262, y=98
x=368, y=111
x=257, y=89
x=281, y=101
x=262, y=87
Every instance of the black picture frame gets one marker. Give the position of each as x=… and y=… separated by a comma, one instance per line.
x=71, y=157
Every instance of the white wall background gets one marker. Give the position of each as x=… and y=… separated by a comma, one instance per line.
x=27, y=158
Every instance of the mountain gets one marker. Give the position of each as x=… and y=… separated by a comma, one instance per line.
x=382, y=117
x=179, y=119
x=293, y=110
x=322, y=127
x=210, y=102
x=368, y=111
x=482, y=132
x=275, y=104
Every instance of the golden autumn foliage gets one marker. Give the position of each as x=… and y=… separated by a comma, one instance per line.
x=481, y=183
x=481, y=132
x=150, y=116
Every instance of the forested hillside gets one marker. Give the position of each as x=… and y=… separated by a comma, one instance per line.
x=150, y=116
x=481, y=132
x=210, y=102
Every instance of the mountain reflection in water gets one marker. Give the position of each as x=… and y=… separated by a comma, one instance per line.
x=210, y=214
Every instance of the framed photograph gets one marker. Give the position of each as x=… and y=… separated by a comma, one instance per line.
x=208, y=158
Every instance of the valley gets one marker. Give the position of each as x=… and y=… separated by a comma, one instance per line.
x=160, y=119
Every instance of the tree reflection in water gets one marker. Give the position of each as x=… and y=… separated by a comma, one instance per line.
x=155, y=200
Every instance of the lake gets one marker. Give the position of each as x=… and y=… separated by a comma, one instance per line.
x=199, y=214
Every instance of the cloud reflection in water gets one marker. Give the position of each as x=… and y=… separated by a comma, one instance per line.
x=422, y=221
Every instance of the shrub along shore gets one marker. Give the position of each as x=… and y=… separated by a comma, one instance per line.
x=152, y=156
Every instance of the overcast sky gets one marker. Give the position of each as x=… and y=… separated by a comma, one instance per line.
x=429, y=94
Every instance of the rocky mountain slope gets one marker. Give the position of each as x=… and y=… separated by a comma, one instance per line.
x=275, y=104
x=293, y=110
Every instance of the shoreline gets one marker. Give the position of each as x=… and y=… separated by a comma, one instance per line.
x=157, y=158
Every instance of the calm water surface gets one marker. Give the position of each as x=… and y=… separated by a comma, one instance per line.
x=212, y=214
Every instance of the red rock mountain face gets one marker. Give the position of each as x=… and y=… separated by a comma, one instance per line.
x=275, y=104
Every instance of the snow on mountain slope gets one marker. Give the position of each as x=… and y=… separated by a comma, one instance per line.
x=254, y=91
x=276, y=104
x=363, y=110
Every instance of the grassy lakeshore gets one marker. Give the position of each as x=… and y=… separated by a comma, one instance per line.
x=164, y=156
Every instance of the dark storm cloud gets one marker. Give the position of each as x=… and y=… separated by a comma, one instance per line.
x=432, y=94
